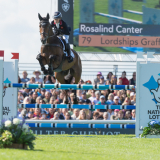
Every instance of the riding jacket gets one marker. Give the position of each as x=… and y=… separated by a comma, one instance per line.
x=62, y=26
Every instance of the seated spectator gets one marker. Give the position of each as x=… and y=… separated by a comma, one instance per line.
x=93, y=96
x=132, y=81
x=31, y=81
x=131, y=96
x=120, y=116
x=81, y=81
x=24, y=79
x=105, y=116
x=84, y=96
x=101, y=81
x=47, y=79
x=42, y=93
x=51, y=113
x=82, y=115
x=113, y=80
x=97, y=94
x=115, y=92
x=107, y=82
x=44, y=115
x=47, y=97
x=75, y=114
x=110, y=113
x=88, y=82
x=102, y=102
x=20, y=97
x=67, y=116
x=53, y=79
x=30, y=94
x=62, y=115
x=105, y=93
x=56, y=101
x=30, y=115
x=61, y=97
x=79, y=94
x=124, y=79
x=128, y=93
x=97, y=80
x=25, y=93
x=41, y=101
x=19, y=79
x=95, y=116
x=81, y=101
x=34, y=96
x=19, y=111
x=128, y=115
x=38, y=91
x=109, y=75
x=116, y=101
x=133, y=102
x=127, y=101
x=115, y=114
x=119, y=82
x=72, y=97
x=37, y=114
x=87, y=101
x=38, y=79
x=38, y=100
x=133, y=114
x=56, y=116
x=27, y=100
x=110, y=99
x=88, y=113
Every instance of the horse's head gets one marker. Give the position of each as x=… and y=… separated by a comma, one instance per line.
x=44, y=27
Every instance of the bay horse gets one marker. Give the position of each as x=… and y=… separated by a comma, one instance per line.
x=52, y=55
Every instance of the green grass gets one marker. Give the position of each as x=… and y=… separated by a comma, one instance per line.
x=121, y=147
x=102, y=7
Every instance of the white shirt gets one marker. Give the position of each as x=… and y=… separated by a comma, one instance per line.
x=92, y=99
x=109, y=115
x=39, y=80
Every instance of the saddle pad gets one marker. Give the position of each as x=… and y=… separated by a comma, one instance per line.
x=72, y=54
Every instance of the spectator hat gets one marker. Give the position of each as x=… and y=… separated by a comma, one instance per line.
x=31, y=92
x=116, y=110
x=116, y=97
x=101, y=77
x=132, y=94
x=99, y=73
x=102, y=96
x=37, y=71
x=88, y=82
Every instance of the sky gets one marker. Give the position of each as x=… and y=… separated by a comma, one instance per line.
x=19, y=27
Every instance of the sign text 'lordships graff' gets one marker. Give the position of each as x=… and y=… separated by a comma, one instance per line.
x=119, y=41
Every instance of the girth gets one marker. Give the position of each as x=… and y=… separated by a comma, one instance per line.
x=54, y=45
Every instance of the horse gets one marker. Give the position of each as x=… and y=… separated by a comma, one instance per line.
x=52, y=55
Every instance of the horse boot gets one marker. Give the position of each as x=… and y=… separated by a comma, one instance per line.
x=39, y=58
x=70, y=58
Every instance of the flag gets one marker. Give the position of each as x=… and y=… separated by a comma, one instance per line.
x=2, y=54
x=15, y=56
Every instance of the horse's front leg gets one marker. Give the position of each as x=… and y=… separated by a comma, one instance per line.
x=40, y=59
x=50, y=66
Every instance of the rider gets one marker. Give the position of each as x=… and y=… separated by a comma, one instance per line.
x=60, y=28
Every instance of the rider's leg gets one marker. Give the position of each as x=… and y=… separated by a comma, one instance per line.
x=70, y=58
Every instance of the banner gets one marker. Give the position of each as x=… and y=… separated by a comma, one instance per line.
x=119, y=29
x=82, y=131
x=119, y=41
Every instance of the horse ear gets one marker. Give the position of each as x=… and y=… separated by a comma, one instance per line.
x=39, y=16
x=48, y=16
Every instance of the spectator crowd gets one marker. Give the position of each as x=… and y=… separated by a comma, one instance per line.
x=91, y=97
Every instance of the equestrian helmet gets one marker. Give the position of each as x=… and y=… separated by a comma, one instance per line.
x=57, y=15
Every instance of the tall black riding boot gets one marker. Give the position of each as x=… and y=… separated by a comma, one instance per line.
x=70, y=58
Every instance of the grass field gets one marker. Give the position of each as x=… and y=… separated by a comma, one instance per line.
x=121, y=147
x=102, y=7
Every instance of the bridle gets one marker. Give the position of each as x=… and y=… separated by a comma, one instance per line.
x=42, y=24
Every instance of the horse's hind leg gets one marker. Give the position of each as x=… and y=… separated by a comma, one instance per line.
x=40, y=59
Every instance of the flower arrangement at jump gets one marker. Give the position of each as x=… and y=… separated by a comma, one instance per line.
x=152, y=129
x=15, y=133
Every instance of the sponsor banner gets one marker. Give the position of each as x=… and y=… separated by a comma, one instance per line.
x=82, y=131
x=119, y=29
x=119, y=41
x=66, y=8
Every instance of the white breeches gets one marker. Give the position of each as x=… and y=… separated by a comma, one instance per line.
x=66, y=37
